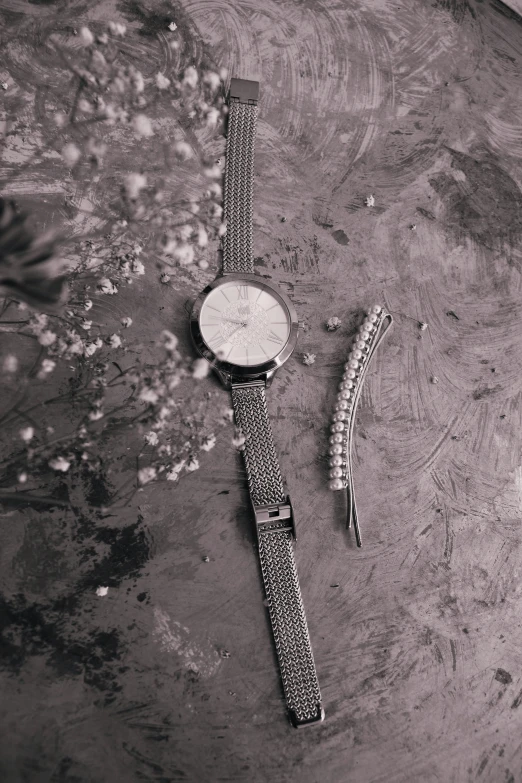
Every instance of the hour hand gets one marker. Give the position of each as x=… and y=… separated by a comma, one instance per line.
x=233, y=321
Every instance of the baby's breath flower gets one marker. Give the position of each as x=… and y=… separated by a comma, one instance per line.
x=22, y=477
x=370, y=201
x=26, y=434
x=212, y=172
x=216, y=210
x=46, y=367
x=89, y=349
x=47, y=337
x=134, y=184
x=116, y=28
x=165, y=278
x=102, y=591
x=192, y=464
x=86, y=36
x=183, y=253
x=222, y=230
x=59, y=463
x=203, y=263
x=308, y=358
x=148, y=395
x=228, y=414
x=214, y=190
x=137, y=267
x=105, y=286
x=212, y=117
x=126, y=322
x=114, y=340
x=212, y=79
x=239, y=440
x=96, y=414
x=152, y=438
x=202, y=237
x=209, y=442
x=87, y=304
x=145, y=475
x=142, y=126
x=182, y=150
x=84, y=105
x=173, y=26
x=200, y=369
x=190, y=77
x=71, y=154
x=333, y=324
x=162, y=82
x=86, y=324
x=60, y=119
x=10, y=363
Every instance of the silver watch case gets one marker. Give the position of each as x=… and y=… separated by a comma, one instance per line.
x=232, y=373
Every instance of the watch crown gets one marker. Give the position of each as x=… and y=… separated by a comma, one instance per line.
x=301, y=325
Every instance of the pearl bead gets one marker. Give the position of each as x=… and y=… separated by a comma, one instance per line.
x=372, y=318
x=347, y=384
x=336, y=438
x=350, y=374
x=336, y=449
x=336, y=473
x=337, y=426
x=336, y=484
x=360, y=344
x=339, y=416
x=353, y=364
x=376, y=309
x=336, y=462
x=356, y=354
x=364, y=334
x=345, y=394
x=341, y=405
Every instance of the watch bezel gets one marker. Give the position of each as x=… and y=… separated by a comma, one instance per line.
x=239, y=370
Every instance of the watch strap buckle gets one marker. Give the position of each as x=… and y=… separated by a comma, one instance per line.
x=275, y=518
x=244, y=91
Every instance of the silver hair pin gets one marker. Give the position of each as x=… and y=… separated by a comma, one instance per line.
x=369, y=335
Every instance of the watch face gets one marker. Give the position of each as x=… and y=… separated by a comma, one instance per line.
x=245, y=323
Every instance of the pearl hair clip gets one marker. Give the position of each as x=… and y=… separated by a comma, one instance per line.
x=365, y=342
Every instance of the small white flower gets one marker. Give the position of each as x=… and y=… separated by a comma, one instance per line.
x=214, y=190
x=200, y=369
x=134, y=184
x=126, y=322
x=27, y=434
x=46, y=367
x=137, y=267
x=60, y=119
x=145, y=475
x=228, y=414
x=4, y=85
x=192, y=464
x=203, y=263
x=222, y=230
x=148, y=395
x=105, y=286
x=86, y=36
x=86, y=324
x=59, y=463
x=71, y=154
x=239, y=440
x=142, y=126
x=213, y=172
x=46, y=337
x=209, y=443
x=10, y=363
x=162, y=82
x=98, y=342
x=116, y=28
x=152, y=438
x=22, y=477
x=202, y=237
x=85, y=106
x=333, y=324
x=170, y=340
x=87, y=304
x=173, y=26
x=190, y=77
x=114, y=341
x=183, y=150
x=172, y=475
x=370, y=201
x=183, y=254
x=89, y=349
x=308, y=358
x=212, y=117
x=212, y=79
x=165, y=278
x=101, y=591
x=96, y=414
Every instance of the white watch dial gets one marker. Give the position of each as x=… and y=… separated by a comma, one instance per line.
x=244, y=324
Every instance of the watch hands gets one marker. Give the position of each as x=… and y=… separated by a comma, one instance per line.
x=233, y=321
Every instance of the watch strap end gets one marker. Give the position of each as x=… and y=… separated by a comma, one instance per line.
x=303, y=723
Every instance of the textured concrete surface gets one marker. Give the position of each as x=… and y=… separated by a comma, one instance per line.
x=417, y=636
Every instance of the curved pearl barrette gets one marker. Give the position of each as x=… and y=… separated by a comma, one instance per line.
x=365, y=342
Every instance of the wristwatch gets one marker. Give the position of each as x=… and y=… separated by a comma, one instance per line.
x=247, y=328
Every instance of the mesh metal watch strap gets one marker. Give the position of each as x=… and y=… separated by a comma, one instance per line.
x=275, y=535
x=239, y=176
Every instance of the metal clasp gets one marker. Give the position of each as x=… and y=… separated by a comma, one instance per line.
x=244, y=91
x=300, y=724
x=275, y=518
